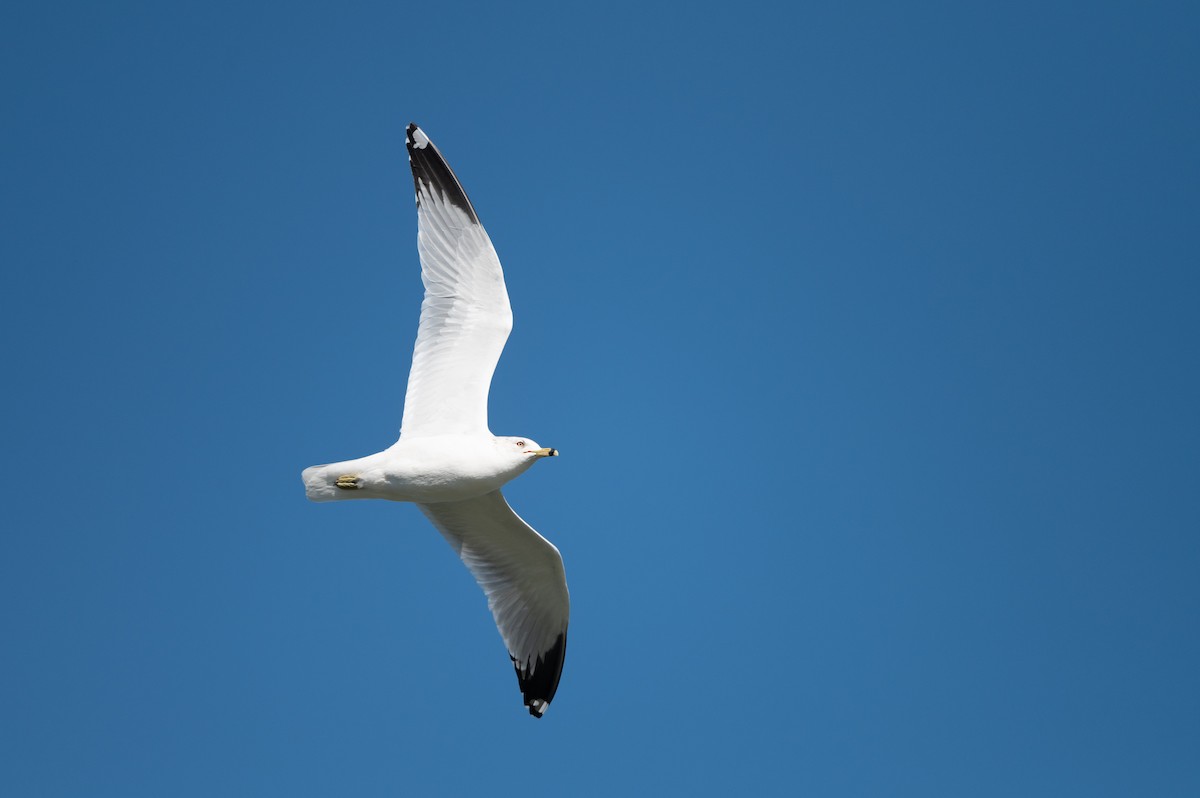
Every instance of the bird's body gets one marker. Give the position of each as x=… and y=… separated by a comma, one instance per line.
x=447, y=461
x=423, y=470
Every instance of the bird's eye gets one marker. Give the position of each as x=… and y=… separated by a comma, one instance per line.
x=521, y=443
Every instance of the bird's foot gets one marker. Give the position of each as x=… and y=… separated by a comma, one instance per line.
x=348, y=482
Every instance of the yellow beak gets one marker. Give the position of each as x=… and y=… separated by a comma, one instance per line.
x=544, y=452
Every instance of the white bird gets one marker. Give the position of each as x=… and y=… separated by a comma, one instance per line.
x=446, y=460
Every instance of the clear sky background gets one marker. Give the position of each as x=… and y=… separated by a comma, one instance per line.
x=867, y=330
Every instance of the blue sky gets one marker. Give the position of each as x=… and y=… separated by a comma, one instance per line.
x=867, y=331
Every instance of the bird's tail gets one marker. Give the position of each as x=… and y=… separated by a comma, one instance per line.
x=320, y=485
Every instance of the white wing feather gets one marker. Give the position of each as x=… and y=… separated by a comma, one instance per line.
x=522, y=574
x=465, y=317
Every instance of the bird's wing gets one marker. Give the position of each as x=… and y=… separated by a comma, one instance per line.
x=522, y=574
x=465, y=318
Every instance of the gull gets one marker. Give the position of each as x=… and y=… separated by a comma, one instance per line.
x=446, y=460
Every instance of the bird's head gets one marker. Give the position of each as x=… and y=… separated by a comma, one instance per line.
x=525, y=449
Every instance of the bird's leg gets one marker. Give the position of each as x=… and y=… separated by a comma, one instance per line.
x=348, y=482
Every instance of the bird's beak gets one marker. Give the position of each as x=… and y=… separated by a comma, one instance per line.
x=544, y=452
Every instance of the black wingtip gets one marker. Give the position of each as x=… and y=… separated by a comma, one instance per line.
x=431, y=172
x=540, y=686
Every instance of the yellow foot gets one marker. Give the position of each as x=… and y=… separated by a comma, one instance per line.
x=348, y=482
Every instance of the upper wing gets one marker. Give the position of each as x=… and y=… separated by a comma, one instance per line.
x=522, y=574
x=465, y=318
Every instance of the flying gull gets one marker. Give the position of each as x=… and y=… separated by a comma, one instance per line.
x=446, y=461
